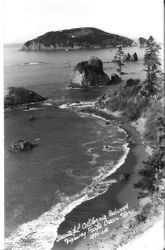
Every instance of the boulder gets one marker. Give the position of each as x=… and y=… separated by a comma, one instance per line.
x=20, y=95
x=115, y=78
x=21, y=145
x=89, y=73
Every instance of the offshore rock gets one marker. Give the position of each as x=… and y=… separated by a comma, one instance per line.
x=20, y=95
x=89, y=73
x=134, y=57
x=20, y=146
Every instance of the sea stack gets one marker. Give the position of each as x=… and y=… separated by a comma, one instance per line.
x=89, y=73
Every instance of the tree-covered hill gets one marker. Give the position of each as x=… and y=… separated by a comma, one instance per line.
x=79, y=38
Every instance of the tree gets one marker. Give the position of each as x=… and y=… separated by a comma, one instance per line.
x=152, y=173
x=152, y=67
x=119, y=55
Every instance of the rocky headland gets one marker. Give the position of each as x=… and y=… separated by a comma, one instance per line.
x=75, y=39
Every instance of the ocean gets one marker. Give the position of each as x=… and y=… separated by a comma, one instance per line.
x=75, y=151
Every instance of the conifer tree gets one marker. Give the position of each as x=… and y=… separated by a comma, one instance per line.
x=152, y=67
x=119, y=58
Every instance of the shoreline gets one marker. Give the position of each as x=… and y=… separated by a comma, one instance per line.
x=112, y=198
x=122, y=192
x=37, y=224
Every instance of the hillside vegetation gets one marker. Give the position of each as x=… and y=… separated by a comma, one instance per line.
x=79, y=38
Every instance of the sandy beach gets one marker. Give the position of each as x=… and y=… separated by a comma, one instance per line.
x=122, y=192
x=118, y=195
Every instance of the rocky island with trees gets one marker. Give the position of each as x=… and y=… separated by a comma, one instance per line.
x=76, y=39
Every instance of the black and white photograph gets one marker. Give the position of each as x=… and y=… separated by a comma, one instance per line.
x=84, y=128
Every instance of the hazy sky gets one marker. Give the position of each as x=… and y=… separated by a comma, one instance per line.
x=27, y=19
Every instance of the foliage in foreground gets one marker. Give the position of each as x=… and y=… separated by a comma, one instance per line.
x=153, y=174
x=152, y=67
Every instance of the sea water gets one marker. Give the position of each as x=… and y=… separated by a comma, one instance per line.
x=74, y=153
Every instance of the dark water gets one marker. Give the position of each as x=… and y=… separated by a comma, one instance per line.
x=43, y=185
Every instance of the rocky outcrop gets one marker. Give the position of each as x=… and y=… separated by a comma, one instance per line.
x=20, y=146
x=115, y=78
x=126, y=58
x=74, y=39
x=134, y=57
x=89, y=73
x=142, y=42
x=20, y=95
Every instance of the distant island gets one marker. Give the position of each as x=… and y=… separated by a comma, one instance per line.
x=75, y=39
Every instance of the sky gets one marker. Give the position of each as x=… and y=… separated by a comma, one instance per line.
x=26, y=19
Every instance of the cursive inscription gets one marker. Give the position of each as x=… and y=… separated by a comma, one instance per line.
x=94, y=227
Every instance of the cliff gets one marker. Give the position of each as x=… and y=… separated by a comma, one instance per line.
x=74, y=39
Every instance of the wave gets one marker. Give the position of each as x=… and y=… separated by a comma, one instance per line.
x=77, y=105
x=32, y=109
x=31, y=63
x=40, y=234
x=63, y=106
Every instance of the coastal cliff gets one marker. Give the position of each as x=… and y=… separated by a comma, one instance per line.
x=75, y=39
